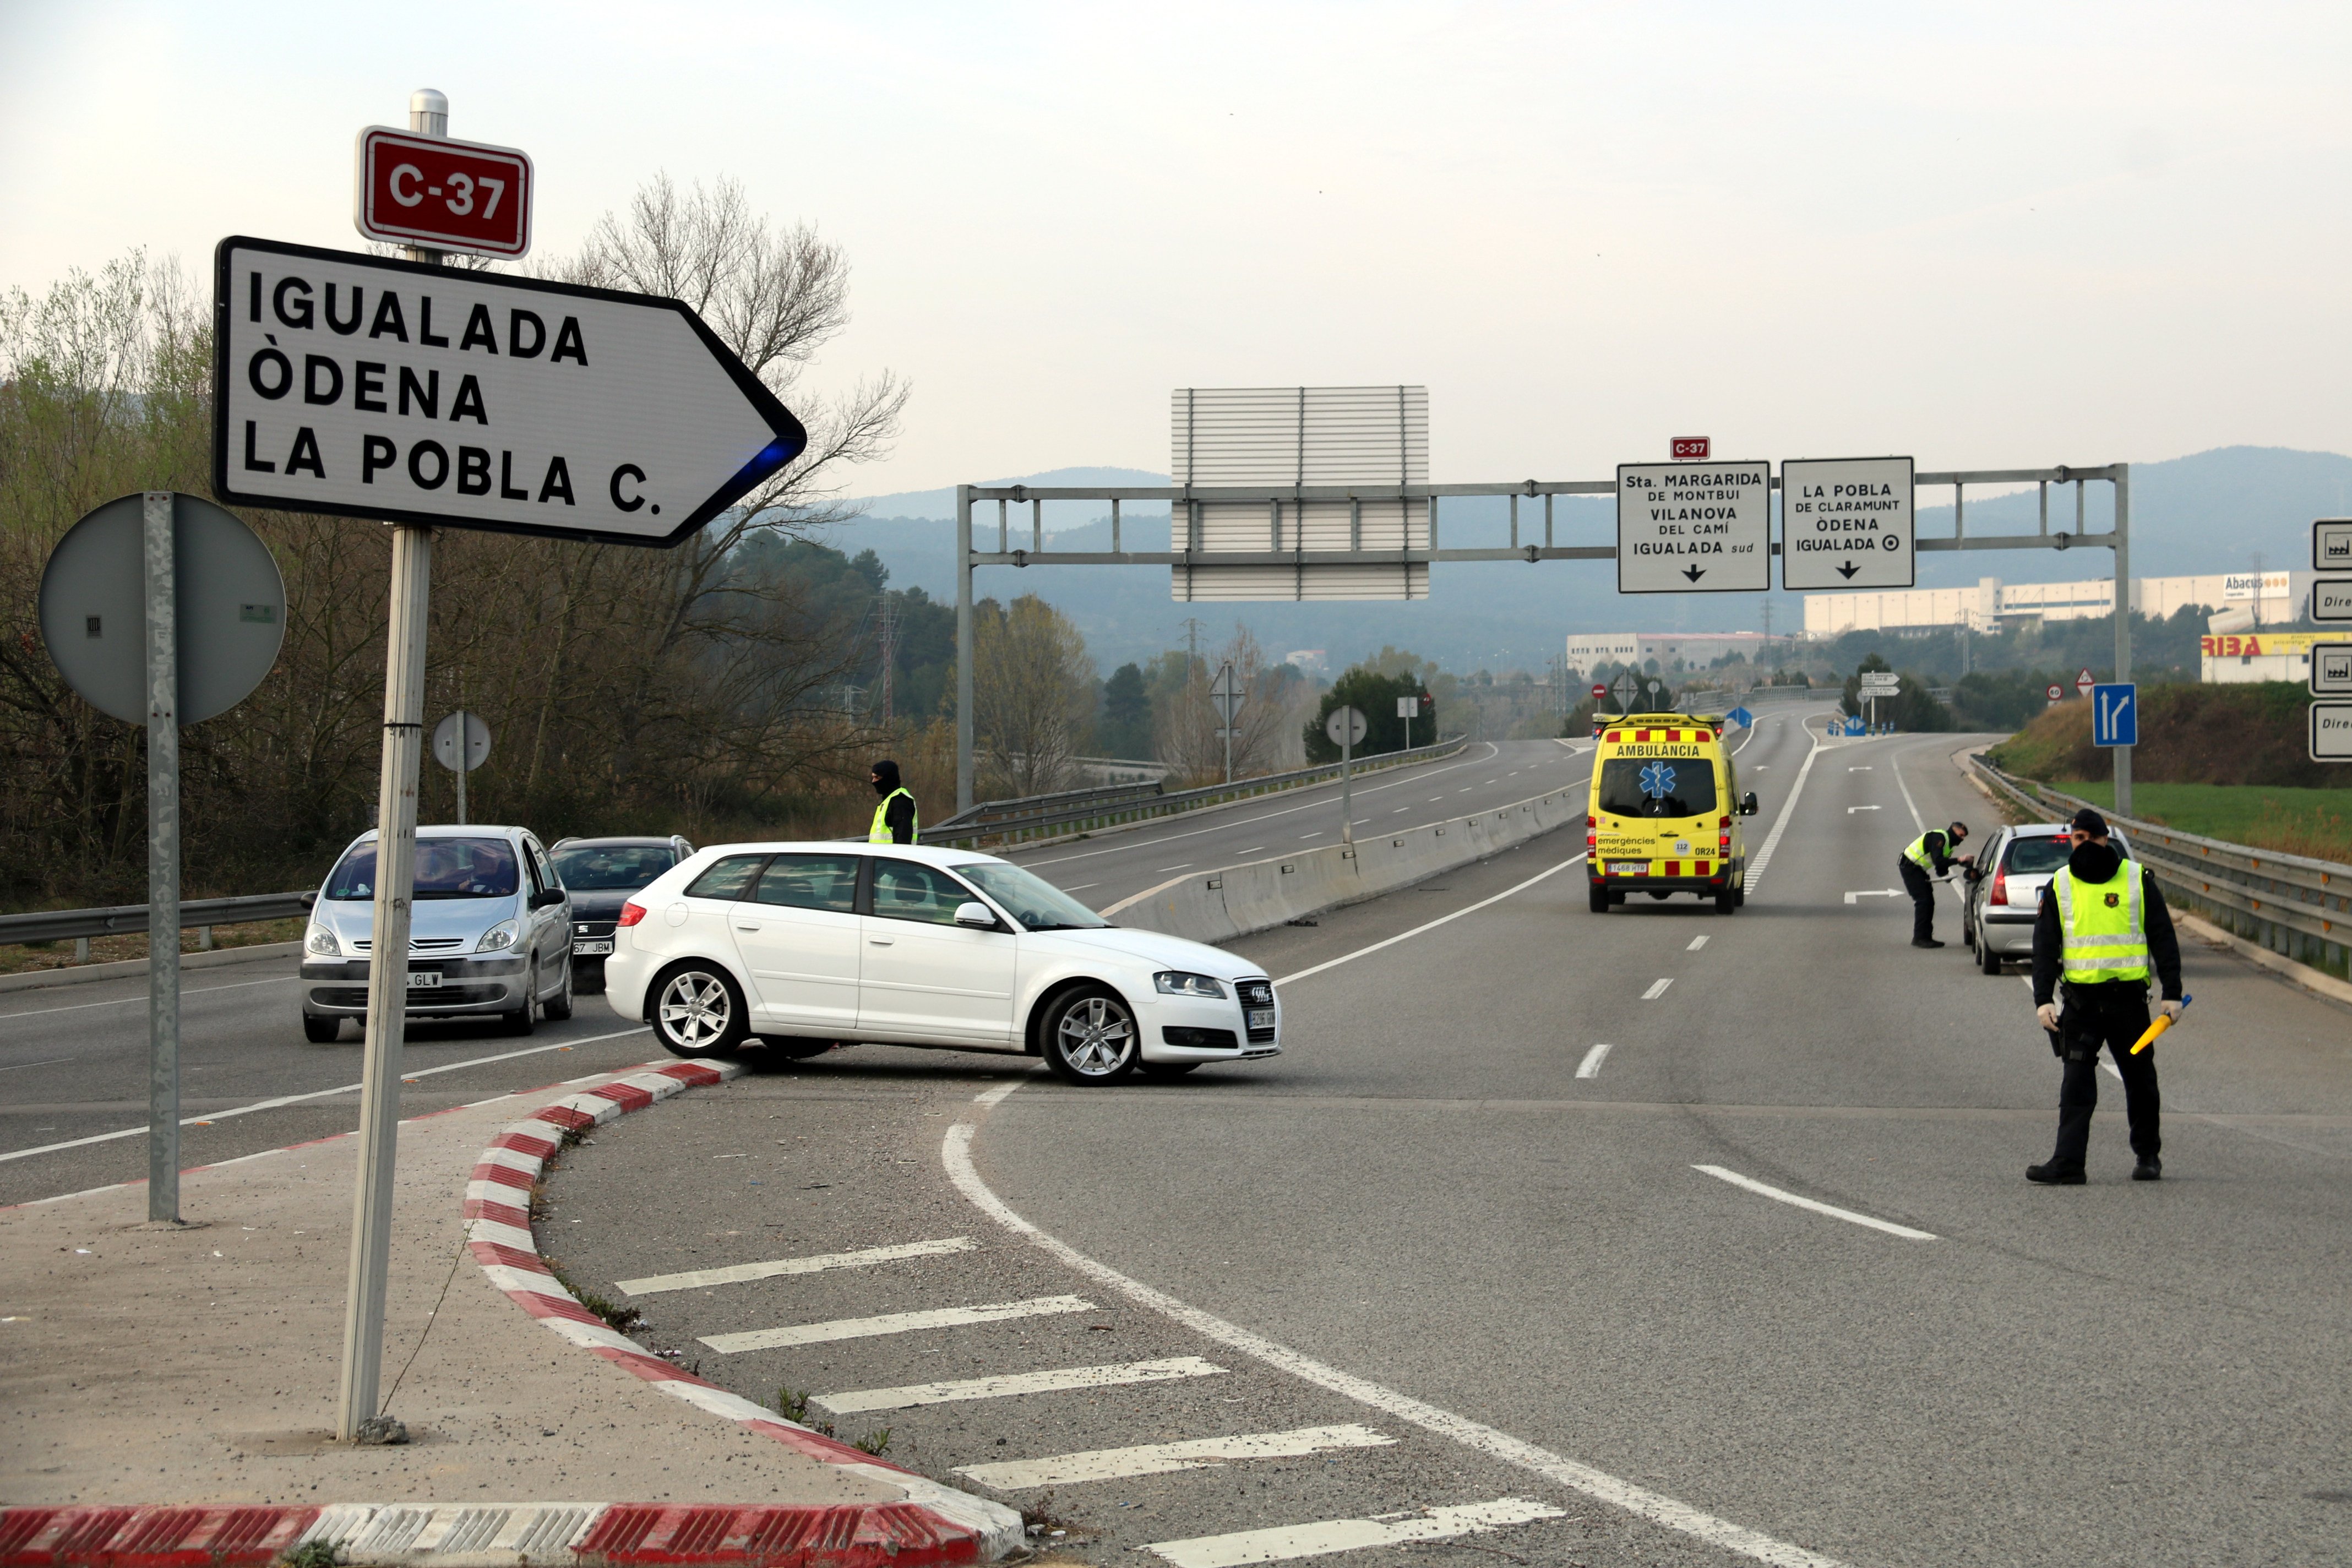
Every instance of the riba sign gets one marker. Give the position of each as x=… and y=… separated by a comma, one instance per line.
x=1694, y=528
x=1847, y=523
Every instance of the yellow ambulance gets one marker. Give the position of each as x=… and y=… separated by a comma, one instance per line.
x=1665, y=812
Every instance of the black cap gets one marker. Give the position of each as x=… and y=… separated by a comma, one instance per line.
x=2090, y=822
x=1960, y=828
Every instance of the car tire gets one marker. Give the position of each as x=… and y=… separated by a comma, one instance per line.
x=1988, y=956
x=1090, y=1036
x=1599, y=898
x=1165, y=1069
x=558, y=1007
x=525, y=1019
x=698, y=1010
x=1726, y=901
x=320, y=1031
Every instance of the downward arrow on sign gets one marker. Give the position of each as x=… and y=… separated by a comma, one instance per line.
x=1848, y=569
x=1694, y=573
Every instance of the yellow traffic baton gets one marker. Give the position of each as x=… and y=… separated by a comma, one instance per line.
x=2157, y=1027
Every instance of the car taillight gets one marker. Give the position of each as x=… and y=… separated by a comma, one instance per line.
x=2000, y=894
x=1723, y=844
x=630, y=914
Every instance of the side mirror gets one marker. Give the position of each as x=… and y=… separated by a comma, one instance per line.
x=1747, y=804
x=974, y=913
x=310, y=900
x=547, y=898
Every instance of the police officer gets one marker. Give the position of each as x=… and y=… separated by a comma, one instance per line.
x=894, y=819
x=1930, y=853
x=2102, y=924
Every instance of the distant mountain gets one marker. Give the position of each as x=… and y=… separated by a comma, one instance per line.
x=2210, y=512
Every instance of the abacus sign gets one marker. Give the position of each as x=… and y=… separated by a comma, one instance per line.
x=363, y=386
x=451, y=196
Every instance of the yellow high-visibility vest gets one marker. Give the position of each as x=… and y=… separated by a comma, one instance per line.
x=1917, y=854
x=2103, y=932
x=880, y=832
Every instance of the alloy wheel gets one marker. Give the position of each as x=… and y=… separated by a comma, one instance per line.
x=1095, y=1037
x=696, y=1010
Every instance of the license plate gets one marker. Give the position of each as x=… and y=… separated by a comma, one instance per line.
x=1629, y=868
x=424, y=978
x=590, y=949
x=1260, y=1017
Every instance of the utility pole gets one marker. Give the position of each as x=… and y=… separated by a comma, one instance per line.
x=889, y=655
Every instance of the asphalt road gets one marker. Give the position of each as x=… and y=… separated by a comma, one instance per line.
x=1490, y=1265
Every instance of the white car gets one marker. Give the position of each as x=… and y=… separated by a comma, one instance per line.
x=807, y=945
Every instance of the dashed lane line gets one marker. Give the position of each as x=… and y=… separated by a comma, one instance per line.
x=892, y=1323
x=1591, y=1066
x=1657, y=989
x=1158, y=1459
x=955, y=1154
x=1750, y=1183
x=816, y=1263
x=1058, y=1381
x=1696, y=942
x=1289, y=1541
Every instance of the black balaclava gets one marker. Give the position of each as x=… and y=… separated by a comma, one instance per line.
x=886, y=776
x=2095, y=861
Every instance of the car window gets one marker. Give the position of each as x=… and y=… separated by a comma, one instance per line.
x=446, y=868
x=904, y=890
x=1036, y=904
x=727, y=878
x=2037, y=856
x=611, y=867
x=1657, y=786
x=537, y=875
x=809, y=882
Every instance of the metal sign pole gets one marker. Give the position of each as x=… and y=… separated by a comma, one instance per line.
x=964, y=734
x=162, y=861
x=463, y=757
x=2123, y=624
x=1347, y=784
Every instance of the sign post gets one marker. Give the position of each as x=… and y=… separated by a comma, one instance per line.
x=1347, y=727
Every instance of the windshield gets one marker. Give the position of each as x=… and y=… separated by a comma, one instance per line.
x=1657, y=786
x=446, y=868
x=611, y=867
x=1031, y=900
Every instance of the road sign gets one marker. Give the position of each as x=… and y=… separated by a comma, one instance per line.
x=1739, y=716
x=2331, y=599
x=1627, y=688
x=1226, y=694
x=2331, y=731
x=2083, y=681
x=2055, y=692
x=429, y=191
x=227, y=609
x=2114, y=714
x=2331, y=669
x=1599, y=691
x=390, y=390
x=1847, y=523
x=1346, y=726
x=1883, y=678
x=1691, y=448
x=476, y=749
x=2331, y=544
x=1408, y=707
x=1854, y=726
x=1702, y=527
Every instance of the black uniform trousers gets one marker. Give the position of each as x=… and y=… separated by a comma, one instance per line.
x=1922, y=889
x=2113, y=1013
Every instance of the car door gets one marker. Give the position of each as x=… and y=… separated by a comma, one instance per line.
x=550, y=926
x=921, y=978
x=798, y=933
x=698, y=922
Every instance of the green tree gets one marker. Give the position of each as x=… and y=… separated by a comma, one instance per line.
x=1126, y=727
x=1375, y=696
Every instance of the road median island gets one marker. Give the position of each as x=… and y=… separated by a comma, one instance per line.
x=172, y=1388
x=1233, y=901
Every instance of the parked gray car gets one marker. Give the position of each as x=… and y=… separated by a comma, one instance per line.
x=490, y=934
x=1997, y=920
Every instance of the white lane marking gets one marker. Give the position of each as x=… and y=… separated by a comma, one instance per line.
x=955, y=1154
x=212, y=1116
x=892, y=1323
x=1656, y=990
x=1082, y=887
x=1894, y=766
x=1434, y=799
x=1780, y=823
x=2110, y=1069
x=1591, y=1066
x=1863, y=769
x=1400, y=810
x=1852, y=809
x=1753, y=1186
x=1696, y=943
x=1873, y=893
x=43, y=1062
x=1251, y=850
x=1317, y=834
x=1057, y=1381
x=120, y=1000
x=736, y=1273
x=1157, y=1458
x=1286, y=1541
x=1185, y=866
x=1433, y=925
x=996, y=1096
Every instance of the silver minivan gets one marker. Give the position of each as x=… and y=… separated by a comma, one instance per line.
x=490, y=934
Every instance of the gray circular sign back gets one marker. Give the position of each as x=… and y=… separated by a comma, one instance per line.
x=476, y=749
x=231, y=608
x=1346, y=726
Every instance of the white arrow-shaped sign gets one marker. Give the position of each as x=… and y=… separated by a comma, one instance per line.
x=368, y=387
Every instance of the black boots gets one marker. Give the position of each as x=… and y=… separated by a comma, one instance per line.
x=2149, y=1169
x=2054, y=1175
x=1925, y=941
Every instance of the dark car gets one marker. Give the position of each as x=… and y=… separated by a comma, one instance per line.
x=600, y=874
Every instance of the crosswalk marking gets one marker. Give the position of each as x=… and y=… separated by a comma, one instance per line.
x=1289, y=1541
x=893, y=1323
x=735, y=1274
x=1154, y=1458
x=1055, y=1382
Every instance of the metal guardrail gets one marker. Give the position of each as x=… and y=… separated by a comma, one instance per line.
x=2292, y=904
x=1111, y=805
x=53, y=925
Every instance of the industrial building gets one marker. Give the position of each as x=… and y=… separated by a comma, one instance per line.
x=2270, y=598
x=1691, y=650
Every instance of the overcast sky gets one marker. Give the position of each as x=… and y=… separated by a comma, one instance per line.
x=1982, y=236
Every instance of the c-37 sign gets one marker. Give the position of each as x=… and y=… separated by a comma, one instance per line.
x=368, y=387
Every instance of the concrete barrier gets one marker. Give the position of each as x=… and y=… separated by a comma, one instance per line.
x=1234, y=901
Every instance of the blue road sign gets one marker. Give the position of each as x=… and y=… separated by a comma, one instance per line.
x=1741, y=717
x=2114, y=714
x=1854, y=727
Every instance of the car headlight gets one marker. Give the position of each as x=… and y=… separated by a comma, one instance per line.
x=320, y=943
x=498, y=938
x=1177, y=982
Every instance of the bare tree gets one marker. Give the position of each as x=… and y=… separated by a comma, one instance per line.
x=1187, y=736
x=1032, y=693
